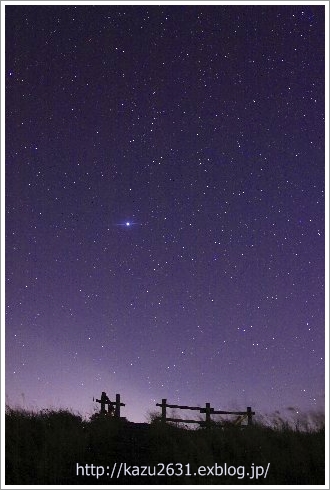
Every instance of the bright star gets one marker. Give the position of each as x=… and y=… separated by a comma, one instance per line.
x=127, y=224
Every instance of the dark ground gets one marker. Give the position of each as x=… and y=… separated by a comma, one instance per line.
x=45, y=448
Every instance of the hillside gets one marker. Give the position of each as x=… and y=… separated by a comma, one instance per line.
x=45, y=448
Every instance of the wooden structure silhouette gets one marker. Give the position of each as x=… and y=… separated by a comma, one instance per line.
x=113, y=407
x=208, y=410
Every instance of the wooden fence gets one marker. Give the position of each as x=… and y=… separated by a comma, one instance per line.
x=113, y=407
x=114, y=410
x=208, y=410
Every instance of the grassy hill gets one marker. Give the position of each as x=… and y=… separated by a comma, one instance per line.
x=44, y=449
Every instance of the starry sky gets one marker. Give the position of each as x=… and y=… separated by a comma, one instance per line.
x=165, y=206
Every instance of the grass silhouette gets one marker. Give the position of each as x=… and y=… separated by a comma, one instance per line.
x=43, y=448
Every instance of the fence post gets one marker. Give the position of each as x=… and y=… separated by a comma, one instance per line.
x=249, y=415
x=103, y=401
x=208, y=414
x=164, y=410
x=117, y=408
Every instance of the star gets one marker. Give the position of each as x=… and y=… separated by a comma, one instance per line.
x=127, y=224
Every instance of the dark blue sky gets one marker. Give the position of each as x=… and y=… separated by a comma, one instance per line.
x=203, y=127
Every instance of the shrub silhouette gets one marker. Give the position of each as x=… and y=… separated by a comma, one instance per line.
x=43, y=448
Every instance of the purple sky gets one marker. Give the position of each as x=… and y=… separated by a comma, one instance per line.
x=203, y=128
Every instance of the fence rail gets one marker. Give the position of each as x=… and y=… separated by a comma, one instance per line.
x=208, y=410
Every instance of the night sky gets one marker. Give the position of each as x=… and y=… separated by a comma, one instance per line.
x=165, y=206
